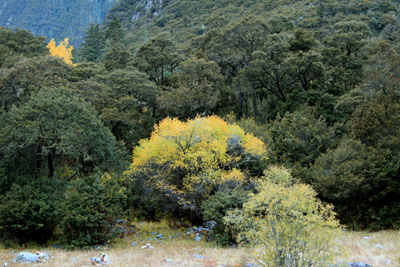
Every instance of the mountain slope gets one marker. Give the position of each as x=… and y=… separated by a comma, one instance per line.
x=186, y=18
x=56, y=19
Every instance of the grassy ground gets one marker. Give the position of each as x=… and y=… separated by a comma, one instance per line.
x=179, y=251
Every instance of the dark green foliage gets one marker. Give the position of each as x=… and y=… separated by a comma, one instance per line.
x=93, y=45
x=54, y=127
x=117, y=57
x=19, y=43
x=28, y=76
x=88, y=213
x=196, y=90
x=361, y=176
x=298, y=138
x=216, y=207
x=85, y=71
x=114, y=32
x=158, y=58
x=129, y=108
x=27, y=212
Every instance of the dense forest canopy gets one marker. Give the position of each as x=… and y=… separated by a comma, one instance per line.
x=215, y=101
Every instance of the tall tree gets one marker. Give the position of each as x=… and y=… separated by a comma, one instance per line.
x=54, y=127
x=196, y=91
x=93, y=43
x=158, y=58
x=19, y=43
x=344, y=55
x=129, y=107
x=117, y=57
x=114, y=31
x=31, y=75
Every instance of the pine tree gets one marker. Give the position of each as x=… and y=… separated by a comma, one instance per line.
x=114, y=32
x=93, y=44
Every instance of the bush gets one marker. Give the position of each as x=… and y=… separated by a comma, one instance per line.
x=89, y=211
x=286, y=222
x=27, y=213
x=216, y=207
x=184, y=163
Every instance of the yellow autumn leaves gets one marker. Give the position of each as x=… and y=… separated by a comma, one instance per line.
x=62, y=50
x=203, y=152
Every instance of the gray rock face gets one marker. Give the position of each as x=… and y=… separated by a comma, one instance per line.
x=197, y=238
x=26, y=257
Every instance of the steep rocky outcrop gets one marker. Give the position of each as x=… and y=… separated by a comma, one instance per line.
x=56, y=19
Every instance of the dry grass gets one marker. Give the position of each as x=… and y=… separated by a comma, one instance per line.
x=360, y=249
x=180, y=250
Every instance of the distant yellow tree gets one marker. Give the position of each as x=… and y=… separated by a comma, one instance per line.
x=62, y=50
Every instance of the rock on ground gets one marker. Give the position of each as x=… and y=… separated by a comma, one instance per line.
x=26, y=257
x=351, y=264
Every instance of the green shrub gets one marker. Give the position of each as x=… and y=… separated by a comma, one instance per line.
x=27, y=213
x=215, y=208
x=89, y=211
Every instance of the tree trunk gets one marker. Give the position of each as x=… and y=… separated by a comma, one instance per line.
x=38, y=162
x=255, y=105
x=240, y=105
x=50, y=163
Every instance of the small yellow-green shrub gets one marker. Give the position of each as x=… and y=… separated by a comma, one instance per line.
x=285, y=222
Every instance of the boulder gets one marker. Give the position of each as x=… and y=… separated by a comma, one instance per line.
x=43, y=255
x=26, y=257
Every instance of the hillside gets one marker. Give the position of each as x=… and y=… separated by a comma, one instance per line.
x=186, y=18
x=261, y=123
x=54, y=19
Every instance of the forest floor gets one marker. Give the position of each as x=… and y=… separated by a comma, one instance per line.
x=180, y=251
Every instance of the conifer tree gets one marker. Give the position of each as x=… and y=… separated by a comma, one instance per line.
x=93, y=43
x=114, y=32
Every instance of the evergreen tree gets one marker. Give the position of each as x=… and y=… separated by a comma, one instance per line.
x=114, y=32
x=93, y=44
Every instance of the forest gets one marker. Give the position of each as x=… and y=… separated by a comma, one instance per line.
x=255, y=121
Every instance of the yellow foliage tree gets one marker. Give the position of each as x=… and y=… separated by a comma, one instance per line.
x=286, y=222
x=184, y=162
x=61, y=51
